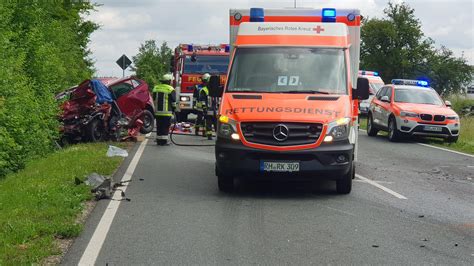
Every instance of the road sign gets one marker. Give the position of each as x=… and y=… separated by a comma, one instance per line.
x=124, y=62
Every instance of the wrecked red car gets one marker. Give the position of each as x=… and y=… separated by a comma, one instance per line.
x=106, y=109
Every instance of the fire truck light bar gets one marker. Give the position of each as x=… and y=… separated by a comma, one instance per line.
x=329, y=15
x=420, y=83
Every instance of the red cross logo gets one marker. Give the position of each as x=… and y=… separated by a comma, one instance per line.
x=318, y=29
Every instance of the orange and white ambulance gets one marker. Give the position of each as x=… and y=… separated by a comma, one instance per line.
x=290, y=103
x=375, y=83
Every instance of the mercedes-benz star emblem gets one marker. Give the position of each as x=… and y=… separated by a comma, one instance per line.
x=280, y=132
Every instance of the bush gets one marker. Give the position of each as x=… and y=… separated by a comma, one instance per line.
x=459, y=103
x=44, y=49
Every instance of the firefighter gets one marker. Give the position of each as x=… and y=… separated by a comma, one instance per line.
x=165, y=103
x=201, y=93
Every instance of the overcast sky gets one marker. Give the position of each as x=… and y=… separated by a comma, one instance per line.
x=127, y=24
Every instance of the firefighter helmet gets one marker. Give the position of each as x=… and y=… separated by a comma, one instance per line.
x=206, y=77
x=167, y=77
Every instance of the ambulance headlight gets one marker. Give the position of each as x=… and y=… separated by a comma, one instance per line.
x=338, y=130
x=227, y=128
x=408, y=114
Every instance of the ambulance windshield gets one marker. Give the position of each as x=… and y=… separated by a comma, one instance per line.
x=288, y=70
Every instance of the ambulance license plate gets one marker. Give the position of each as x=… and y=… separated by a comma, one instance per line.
x=279, y=166
x=434, y=129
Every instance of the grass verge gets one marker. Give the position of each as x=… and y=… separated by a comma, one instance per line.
x=41, y=202
x=465, y=142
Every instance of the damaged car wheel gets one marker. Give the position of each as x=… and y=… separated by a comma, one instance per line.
x=95, y=131
x=148, y=122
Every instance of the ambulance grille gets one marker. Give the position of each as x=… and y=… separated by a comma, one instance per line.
x=298, y=133
x=426, y=117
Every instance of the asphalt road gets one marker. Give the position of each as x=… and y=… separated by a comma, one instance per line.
x=177, y=216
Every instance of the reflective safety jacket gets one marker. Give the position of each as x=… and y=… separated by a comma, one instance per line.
x=165, y=100
x=203, y=98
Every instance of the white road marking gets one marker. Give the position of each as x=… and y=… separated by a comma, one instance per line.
x=380, y=182
x=448, y=150
x=147, y=135
x=97, y=240
x=375, y=184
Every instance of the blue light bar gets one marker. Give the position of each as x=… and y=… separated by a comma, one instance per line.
x=376, y=73
x=190, y=47
x=257, y=14
x=329, y=14
x=227, y=48
x=419, y=83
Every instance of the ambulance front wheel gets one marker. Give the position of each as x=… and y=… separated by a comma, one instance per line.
x=344, y=185
x=225, y=181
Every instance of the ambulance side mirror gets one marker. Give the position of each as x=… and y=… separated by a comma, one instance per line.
x=448, y=104
x=362, y=90
x=215, y=88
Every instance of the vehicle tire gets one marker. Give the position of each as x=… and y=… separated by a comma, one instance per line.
x=371, y=130
x=225, y=182
x=393, y=133
x=344, y=185
x=452, y=139
x=95, y=130
x=148, y=122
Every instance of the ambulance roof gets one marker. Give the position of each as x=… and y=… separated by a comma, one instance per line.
x=293, y=33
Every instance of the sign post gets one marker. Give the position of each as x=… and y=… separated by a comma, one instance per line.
x=123, y=62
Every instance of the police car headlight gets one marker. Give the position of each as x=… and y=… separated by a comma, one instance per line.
x=185, y=98
x=338, y=130
x=227, y=128
x=453, y=117
x=408, y=114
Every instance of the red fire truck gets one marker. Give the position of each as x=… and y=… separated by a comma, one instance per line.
x=189, y=63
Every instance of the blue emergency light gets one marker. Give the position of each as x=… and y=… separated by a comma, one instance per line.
x=419, y=83
x=422, y=83
x=227, y=48
x=329, y=15
x=190, y=47
x=257, y=14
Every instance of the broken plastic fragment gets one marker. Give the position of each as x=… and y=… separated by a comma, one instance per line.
x=116, y=151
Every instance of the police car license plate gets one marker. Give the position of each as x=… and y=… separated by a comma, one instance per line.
x=435, y=129
x=279, y=166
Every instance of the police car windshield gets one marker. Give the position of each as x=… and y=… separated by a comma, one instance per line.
x=201, y=64
x=420, y=96
x=288, y=70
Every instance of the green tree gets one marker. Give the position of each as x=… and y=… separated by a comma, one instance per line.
x=396, y=47
x=44, y=50
x=152, y=62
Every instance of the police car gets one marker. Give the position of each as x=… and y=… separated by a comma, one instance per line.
x=411, y=108
x=375, y=83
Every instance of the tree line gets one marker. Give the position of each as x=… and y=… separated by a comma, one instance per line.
x=395, y=46
x=44, y=50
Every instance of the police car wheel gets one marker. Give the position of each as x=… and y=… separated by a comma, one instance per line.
x=344, y=185
x=393, y=133
x=452, y=139
x=371, y=130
